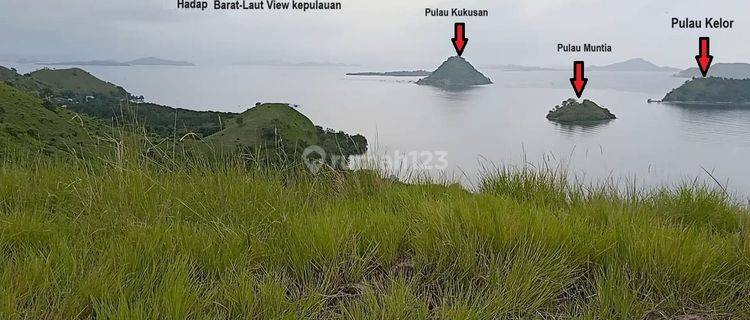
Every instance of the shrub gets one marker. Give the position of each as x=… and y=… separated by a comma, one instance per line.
x=48, y=105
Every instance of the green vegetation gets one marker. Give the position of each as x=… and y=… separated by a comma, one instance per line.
x=26, y=123
x=81, y=92
x=128, y=238
x=161, y=120
x=7, y=74
x=572, y=111
x=711, y=90
x=340, y=143
x=266, y=125
x=258, y=128
x=285, y=131
x=137, y=231
x=78, y=82
x=12, y=78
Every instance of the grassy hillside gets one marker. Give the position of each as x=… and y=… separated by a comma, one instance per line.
x=6, y=74
x=10, y=77
x=71, y=87
x=25, y=124
x=265, y=126
x=284, y=133
x=712, y=90
x=131, y=240
x=273, y=126
x=77, y=81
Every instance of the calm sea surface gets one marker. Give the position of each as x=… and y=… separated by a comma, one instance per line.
x=425, y=128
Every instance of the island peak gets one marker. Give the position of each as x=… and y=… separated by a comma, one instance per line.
x=456, y=72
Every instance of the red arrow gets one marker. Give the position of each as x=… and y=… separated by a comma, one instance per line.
x=578, y=81
x=704, y=58
x=459, y=42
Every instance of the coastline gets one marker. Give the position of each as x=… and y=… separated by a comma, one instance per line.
x=711, y=103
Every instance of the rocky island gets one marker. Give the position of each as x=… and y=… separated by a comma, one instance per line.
x=572, y=111
x=455, y=73
x=711, y=91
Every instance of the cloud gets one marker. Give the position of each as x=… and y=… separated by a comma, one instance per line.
x=386, y=32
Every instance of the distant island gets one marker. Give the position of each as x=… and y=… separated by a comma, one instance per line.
x=151, y=61
x=29, y=61
x=721, y=70
x=148, y=61
x=416, y=73
x=108, y=63
x=282, y=63
x=455, y=73
x=572, y=111
x=515, y=67
x=711, y=91
x=633, y=65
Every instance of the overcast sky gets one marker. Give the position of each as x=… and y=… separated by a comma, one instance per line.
x=370, y=32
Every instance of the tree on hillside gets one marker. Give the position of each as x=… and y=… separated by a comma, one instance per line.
x=48, y=105
x=46, y=93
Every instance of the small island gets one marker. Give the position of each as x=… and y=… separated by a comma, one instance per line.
x=572, y=111
x=711, y=91
x=455, y=73
x=415, y=73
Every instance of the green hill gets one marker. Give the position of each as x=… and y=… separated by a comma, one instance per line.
x=75, y=87
x=25, y=123
x=278, y=127
x=7, y=74
x=12, y=78
x=77, y=81
x=62, y=82
x=265, y=126
x=711, y=90
x=269, y=126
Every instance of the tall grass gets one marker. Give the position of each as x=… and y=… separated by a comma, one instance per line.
x=145, y=235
